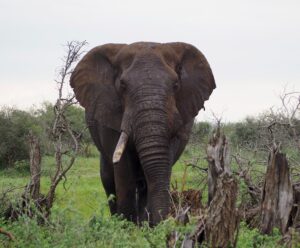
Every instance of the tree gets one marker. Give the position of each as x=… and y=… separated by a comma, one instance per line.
x=14, y=127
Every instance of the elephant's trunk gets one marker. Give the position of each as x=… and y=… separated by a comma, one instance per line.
x=151, y=137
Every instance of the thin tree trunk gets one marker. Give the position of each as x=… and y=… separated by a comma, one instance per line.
x=35, y=166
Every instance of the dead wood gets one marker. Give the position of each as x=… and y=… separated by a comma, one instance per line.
x=35, y=166
x=8, y=234
x=31, y=192
x=295, y=213
x=252, y=216
x=222, y=220
x=277, y=195
x=66, y=144
x=219, y=226
x=244, y=166
x=197, y=236
x=190, y=199
x=218, y=157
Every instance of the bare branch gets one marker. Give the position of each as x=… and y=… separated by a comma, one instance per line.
x=65, y=140
x=8, y=234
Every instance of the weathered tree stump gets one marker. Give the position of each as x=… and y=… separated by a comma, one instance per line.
x=219, y=226
x=277, y=195
x=218, y=157
x=32, y=189
x=222, y=221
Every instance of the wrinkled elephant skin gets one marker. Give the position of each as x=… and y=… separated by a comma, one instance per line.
x=140, y=101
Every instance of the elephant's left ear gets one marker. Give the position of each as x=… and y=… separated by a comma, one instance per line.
x=196, y=78
x=93, y=81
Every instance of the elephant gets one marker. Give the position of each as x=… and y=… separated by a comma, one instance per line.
x=140, y=103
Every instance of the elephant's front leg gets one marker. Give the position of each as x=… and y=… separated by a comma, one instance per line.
x=108, y=181
x=125, y=180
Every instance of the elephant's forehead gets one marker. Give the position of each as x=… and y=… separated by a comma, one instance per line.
x=146, y=51
x=144, y=45
x=138, y=48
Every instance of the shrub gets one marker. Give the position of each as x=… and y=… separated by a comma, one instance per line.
x=14, y=127
x=245, y=133
x=200, y=132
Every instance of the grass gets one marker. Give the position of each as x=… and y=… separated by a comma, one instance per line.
x=83, y=187
x=80, y=215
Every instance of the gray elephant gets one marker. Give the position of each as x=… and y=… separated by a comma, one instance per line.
x=140, y=102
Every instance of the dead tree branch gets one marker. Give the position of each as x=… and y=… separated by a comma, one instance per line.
x=8, y=234
x=65, y=140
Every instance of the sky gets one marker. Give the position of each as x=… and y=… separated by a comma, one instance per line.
x=253, y=47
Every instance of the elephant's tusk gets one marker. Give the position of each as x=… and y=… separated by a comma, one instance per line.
x=120, y=147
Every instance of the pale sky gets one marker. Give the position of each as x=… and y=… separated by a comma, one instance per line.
x=252, y=46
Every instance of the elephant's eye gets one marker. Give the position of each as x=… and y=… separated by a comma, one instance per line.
x=176, y=86
x=122, y=84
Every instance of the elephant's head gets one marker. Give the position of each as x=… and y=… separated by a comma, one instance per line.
x=147, y=92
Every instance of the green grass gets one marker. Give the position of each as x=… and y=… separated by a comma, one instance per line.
x=80, y=215
x=83, y=186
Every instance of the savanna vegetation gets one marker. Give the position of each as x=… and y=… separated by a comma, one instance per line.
x=78, y=214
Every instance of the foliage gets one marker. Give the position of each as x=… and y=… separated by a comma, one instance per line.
x=14, y=126
x=252, y=238
x=99, y=231
x=246, y=133
x=80, y=216
x=106, y=231
x=200, y=132
x=45, y=117
x=261, y=132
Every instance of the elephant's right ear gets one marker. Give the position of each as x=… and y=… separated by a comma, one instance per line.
x=93, y=84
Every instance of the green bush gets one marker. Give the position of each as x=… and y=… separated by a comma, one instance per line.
x=14, y=128
x=100, y=231
x=16, y=124
x=200, y=133
x=76, y=117
x=245, y=133
x=252, y=238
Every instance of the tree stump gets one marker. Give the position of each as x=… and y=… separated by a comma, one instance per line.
x=277, y=195
x=222, y=220
x=219, y=226
x=218, y=157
